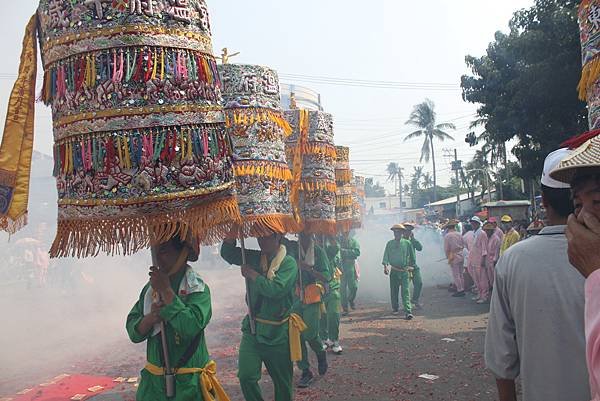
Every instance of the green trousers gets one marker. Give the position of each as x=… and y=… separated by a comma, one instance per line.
x=417, y=285
x=349, y=288
x=330, y=321
x=400, y=281
x=311, y=314
x=278, y=363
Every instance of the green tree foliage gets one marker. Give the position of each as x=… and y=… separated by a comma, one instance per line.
x=526, y=83
x=373, y=190
x=424, y=118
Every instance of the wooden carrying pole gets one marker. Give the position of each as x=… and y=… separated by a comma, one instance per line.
x=248, y=301
x=169, y=375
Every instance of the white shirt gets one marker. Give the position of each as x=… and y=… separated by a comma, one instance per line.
x=536, y=324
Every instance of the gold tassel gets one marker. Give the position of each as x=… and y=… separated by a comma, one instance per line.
x=589, y=75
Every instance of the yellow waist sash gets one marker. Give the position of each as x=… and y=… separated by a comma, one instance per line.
x=402, y=270
x=296, y=326
x=208, y=379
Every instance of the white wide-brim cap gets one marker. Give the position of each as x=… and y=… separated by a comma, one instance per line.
x=552, y=161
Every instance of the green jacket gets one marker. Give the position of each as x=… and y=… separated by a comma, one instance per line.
x=417, y=246
x=185, y=318
x=399, y=254
x=322, y=264
x=350, y=251
x=335, y=262
x=270, y=299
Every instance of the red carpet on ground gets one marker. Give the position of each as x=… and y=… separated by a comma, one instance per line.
x=67, y=388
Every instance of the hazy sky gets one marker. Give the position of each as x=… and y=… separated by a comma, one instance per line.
x=378, y=40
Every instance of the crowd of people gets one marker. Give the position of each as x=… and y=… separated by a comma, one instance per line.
x=543, y=310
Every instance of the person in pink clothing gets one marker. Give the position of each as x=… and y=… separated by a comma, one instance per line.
x=583, y=235
x=497, y=230
x=454, y=247
x=477, y=261
x=493, y=251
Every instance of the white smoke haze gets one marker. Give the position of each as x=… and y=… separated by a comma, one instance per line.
x=70, y=317
x=374, y=285
x=75, y=311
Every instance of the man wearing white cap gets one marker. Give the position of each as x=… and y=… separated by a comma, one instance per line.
x=536, y=325
x=582, y=170
x=477, y=261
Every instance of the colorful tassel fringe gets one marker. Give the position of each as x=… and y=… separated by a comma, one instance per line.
x=209, y=222
x=245, y=118
x=343, y=176
x=266, y=225
x=313, y=148
x=327, y=227
x=277, y=171
x=130, y=64
x=589, y=75
x=129, y=149
x=317, y=186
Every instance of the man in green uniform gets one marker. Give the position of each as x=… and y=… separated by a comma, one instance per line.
x=349, y=251
x=315, y=274
x=271, y=275
x=177, y=296
x=330, y=322
x=399, y=256
x=416, y=278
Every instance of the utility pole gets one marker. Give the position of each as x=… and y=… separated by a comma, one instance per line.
x=400, y=189
x=456, y=167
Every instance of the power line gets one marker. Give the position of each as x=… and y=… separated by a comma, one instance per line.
x=372, y=83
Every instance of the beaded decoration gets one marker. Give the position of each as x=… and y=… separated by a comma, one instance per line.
x=345, y=191
x=317, y=154
x=257, y=130
x=141, y=149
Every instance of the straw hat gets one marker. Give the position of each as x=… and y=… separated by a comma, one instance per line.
x=409, y=226
x=450, y=223
x=489, y=226
x=506, y=219
x=398, y=227
x=537, y=225
x=585, y=156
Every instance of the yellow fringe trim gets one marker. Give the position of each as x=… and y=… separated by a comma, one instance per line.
x=344, y=226
x=265, y=225
x=272, y=170
x=589, y=76
x=209, y=222
x=343, y=201
x=343, y=176
x=313, y=148
x=247, y=117
x=356, y=224
x=316, y=186
x=11, y=226
x=325, y=227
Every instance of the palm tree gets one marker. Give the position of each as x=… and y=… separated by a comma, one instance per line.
x=478, y=172
x=394, y=174
x=427, y=181
x=423, y=117
x=415, y=182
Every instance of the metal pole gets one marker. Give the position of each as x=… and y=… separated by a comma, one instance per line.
x=169, y=376
x=248, y=301
x=487, y=179
x=456, y=166
x=400, y=189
